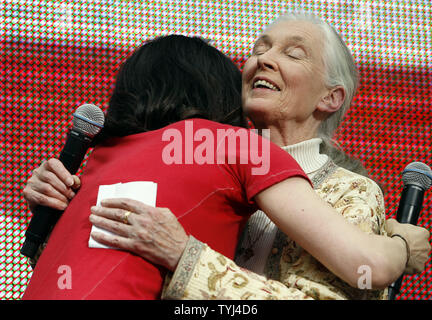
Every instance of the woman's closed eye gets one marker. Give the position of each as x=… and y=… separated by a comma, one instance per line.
x=295, y=53
x=260, y=49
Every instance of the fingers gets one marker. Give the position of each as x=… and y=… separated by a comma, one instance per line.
x=134, y=206
x=113, y=240
x=426, y=237
x=34, y=198
x=112, y=213
x=119, y=228
x=418, y=242
x=50, y=185
x=77, y=182
x=54, y=174
x=390, y=225
x=55, y=166
x=152, y=233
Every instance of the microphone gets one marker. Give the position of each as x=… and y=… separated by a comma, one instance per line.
x=88, y=120
x=417, y=178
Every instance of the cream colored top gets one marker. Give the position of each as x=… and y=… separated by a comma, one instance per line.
x=289, y=272
x=261, y=231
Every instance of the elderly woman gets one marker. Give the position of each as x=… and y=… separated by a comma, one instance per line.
x=298, y=82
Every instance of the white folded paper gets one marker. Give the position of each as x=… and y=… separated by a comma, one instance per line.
x=144, y=191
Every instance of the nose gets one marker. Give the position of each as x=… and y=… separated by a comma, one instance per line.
x=266, y=61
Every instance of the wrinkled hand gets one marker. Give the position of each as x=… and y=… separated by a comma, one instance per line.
x=152, y=233
x=418, y=240
x=51, y=185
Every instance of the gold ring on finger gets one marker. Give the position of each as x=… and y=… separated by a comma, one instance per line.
x=126, y=216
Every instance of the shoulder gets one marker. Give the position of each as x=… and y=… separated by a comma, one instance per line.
x=347, y=181
x=344, y=186
x=358, y=198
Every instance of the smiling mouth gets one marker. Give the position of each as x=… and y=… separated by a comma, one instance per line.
x=265, y=85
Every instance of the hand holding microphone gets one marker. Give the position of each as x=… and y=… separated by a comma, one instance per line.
x=417, y=178
x=418, y=240
x=51, y=185
x=87, y=122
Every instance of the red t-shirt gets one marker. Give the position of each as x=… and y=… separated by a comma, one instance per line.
x=212, y=201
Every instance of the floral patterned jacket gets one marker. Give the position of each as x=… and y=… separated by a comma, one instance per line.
x=291, y=273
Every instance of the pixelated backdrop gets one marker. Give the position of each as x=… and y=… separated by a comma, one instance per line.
x=58, y=55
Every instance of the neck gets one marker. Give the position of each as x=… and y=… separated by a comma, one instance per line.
x=289, y=133
x=307, y=155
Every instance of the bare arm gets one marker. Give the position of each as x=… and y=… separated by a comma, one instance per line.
x=342, y=248
x=48, y=186
x=299, y=212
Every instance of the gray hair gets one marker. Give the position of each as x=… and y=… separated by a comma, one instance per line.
x=339, y=66
x=340, y=70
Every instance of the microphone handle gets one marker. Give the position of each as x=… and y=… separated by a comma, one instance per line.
x=74, y=150
x=408, y=212
x=410, y=204
x=44, y=218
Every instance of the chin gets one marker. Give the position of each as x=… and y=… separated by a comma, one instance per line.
x=259, y=116
x=258, y=106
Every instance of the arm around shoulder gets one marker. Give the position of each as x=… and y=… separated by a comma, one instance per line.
x=342, y=247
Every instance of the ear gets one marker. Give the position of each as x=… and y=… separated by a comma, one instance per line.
x=333, y=100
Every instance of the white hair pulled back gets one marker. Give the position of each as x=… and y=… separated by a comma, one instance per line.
x=340, y=70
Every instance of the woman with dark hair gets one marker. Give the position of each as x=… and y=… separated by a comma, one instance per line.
x=159, y=87
x=183, y=85
x=164, y=82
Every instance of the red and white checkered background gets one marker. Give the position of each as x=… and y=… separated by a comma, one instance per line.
x=59, y=55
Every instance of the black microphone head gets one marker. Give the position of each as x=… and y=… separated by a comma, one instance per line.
x=88, y=119
x=417, y=173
